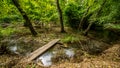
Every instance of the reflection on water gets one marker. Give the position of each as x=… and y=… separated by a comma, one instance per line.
x=13, y=48
x=69, y=52
x=46, y=58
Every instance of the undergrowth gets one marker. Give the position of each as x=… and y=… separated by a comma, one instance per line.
x=70, y=39
x=6, y=31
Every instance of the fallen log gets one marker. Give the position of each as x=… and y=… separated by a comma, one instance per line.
x=39, y=51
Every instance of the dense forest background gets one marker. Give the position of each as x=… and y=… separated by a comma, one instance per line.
x=90, y=26
x=76, y=14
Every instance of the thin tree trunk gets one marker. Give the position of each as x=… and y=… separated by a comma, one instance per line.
x=60, y=16
x=83, y=19
x=88, y=28
x=27, y=22
x=97, y=14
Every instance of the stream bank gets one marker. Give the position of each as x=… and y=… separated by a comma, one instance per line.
x=75, y=53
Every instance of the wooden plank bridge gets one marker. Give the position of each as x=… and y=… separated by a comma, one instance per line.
x=39, y=51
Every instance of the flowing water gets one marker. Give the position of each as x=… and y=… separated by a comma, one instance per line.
x=46, y=58
x=69, y=52
x=13, y=48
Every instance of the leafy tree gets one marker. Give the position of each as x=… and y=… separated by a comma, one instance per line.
x=8, y=12
x=27, y=21
x=73, y=14
x=96, y=15
x=81, y=14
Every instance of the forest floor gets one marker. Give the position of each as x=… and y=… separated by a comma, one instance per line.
x=108, y=58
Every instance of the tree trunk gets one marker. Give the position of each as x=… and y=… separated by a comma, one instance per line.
x=60, y=16
x=88, y=28
x=97, y=14
x=83, y=19
x=27, y=20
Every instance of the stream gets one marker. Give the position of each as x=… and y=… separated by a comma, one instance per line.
x=46, y=58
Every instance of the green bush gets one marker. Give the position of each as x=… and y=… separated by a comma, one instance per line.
x=70, y=39
x=73, y=15
x=6, y=19
x=10, y=18
x=53, y=17
x=6, y=31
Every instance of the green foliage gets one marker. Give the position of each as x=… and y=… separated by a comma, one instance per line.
x=8, y=12
x=6, y=31
x=73, y=11
x=110, y=12
x=36, y=10
x=54, y=17
x=5, y=19
x=73, y=15
x=10, y=18
x=39, y=10
x=30, y=66
x=112, y=26
x=70, y=39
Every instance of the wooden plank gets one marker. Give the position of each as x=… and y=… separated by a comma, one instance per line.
x=40, y=51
